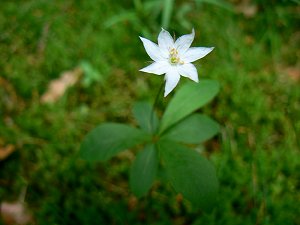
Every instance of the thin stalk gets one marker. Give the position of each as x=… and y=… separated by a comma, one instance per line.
x=154, y=106
x=167, y=12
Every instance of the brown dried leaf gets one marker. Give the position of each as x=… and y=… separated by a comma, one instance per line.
x=6, y=151
x=132, y=203
x=293, y=73
x=247, y=8
x=14, y=213
x=58, y=87
x=9, y=101
x=289, y=73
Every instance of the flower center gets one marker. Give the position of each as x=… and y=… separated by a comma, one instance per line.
x=174, y=58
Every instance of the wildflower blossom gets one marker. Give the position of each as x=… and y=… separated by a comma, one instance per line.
x=173, y=58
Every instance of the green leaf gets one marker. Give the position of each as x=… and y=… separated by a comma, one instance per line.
x=189, y=98
x=142, y=112
x=167, y=13
x=91, y=74
x=143, y=171
x=190, y=173
x=194, y=129
x=222, y=4
x=108, y=139
x=126, y=15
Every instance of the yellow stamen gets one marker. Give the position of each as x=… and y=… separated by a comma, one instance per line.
x=174, y=58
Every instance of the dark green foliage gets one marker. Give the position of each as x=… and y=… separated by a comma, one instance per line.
x=108, y=139
x=190, y=173
x=143, y=170
x=194, y=129
x=146, y=117
x=191, y=97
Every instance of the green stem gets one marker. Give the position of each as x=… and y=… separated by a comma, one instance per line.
x=167, y=12
x=154, y=106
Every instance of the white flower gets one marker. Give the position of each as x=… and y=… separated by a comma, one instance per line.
x=173, y=58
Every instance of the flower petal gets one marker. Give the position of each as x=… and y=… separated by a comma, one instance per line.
x=172, y=78
x=152, y=49
x=184, y=42
x=158, y=68
x=188, y=70
x=165, y=42
x=196, y=53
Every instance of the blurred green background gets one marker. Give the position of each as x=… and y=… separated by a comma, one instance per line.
x=256, y=61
